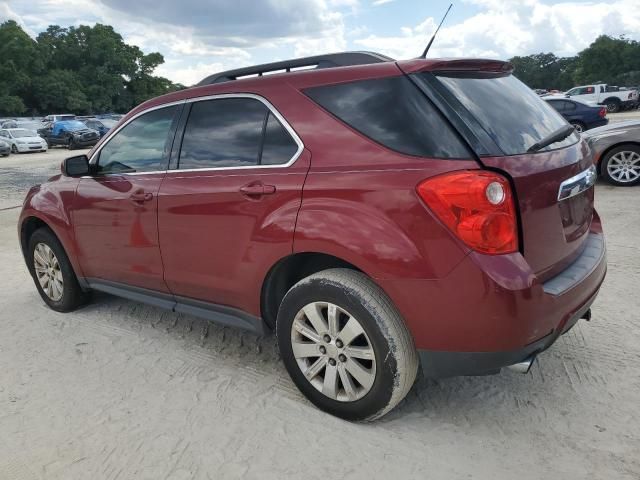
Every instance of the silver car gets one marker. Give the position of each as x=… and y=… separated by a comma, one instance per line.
x=616, y=152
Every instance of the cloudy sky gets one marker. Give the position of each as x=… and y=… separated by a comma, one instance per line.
x=199, y=37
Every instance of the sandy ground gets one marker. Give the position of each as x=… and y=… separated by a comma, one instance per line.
x=121, y=391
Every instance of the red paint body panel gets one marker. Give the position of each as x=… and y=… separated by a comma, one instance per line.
x=218, y=244
x=117, y=237
x=553, y=231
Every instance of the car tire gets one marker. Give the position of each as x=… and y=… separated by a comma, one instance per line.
x=579, y=126
x=52, y=272
x=613, y=106
x=71, y=144
x=621, y=166
x=366, y=361
x=14, y=149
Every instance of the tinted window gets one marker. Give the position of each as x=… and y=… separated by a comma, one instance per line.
x=559, y=105
x=223, y=132
x=140, y=146
x=279, y=147
x=569, y=106
x=393, y=112
x=513, y=116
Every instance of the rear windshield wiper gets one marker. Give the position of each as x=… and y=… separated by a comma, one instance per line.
x=554, y=137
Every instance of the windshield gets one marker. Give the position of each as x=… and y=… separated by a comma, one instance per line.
x=72, y=125
x=107, y=122
x=22, y=132
x=510, y=112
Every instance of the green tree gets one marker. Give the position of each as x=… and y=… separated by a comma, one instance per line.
x=77, y=69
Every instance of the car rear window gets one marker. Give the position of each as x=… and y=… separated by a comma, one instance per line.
x=392, y=112
x=510, y=112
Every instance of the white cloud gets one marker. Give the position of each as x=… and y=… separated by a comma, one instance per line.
x=381, y=2
x=505, y=28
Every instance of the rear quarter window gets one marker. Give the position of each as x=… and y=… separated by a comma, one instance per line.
x=394, y=113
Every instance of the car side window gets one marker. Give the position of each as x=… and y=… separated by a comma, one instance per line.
x=568, y=106
x=278, y=147
x=557, y=105
x=223, y=132
x=141, y=146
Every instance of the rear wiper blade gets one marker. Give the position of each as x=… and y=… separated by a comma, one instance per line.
x=554, y=137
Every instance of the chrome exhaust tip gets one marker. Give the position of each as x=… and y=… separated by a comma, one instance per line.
x=523, y=366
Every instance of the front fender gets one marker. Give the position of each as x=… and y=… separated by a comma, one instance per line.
x=51, y=204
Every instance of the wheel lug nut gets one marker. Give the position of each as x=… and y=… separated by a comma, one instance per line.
x=342, y=358
x=339, y=343
x=323, y=350
x=326, y=338
x=332, y=362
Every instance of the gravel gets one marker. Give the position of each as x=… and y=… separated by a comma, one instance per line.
x=119, y=390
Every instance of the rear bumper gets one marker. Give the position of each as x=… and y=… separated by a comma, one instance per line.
x=452, y=364
x=598, y=123
x=493, y=311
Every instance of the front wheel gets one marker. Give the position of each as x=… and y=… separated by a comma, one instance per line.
x=621, y=166
x=14, y=149
x=345, y=345
x=52, y=272
x=71, y=145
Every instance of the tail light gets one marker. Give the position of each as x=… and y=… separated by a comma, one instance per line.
x=603, y=112
x=477, y=207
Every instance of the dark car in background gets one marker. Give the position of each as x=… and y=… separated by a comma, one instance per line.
x=616, y=152
x=101, y=125
x=69, y=133
x=579, y=114
x=5, y=148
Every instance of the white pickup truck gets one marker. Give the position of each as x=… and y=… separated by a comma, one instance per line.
x=602, y=94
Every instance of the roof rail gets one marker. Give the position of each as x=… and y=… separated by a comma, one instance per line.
x=331, y=60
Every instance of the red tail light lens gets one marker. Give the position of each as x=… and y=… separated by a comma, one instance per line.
x=603, y=112
x=477, y=207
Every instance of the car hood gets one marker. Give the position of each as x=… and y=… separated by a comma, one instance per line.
x=621, y=127
x=30, y=139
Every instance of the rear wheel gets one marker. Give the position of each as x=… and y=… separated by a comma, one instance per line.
x=52, y=272
x=621, y=166
x=579, y=126
x=613, y=105
x=345, y=345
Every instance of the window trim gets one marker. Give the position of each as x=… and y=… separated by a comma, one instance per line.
x=180, y=133
x=175, y=168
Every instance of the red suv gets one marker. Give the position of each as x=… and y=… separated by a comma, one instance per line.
x=376, y=214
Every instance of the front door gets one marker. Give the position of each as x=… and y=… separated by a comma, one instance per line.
x=115, y=214
x=227, y=212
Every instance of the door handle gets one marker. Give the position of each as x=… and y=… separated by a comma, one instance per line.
x=257, y=189
x=141, y=197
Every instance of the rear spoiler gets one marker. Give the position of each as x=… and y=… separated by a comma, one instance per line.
x=455, y=65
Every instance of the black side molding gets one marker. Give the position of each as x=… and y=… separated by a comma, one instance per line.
x=220, y=314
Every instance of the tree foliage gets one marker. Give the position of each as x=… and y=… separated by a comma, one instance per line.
x=76, y=69
x=615, y=61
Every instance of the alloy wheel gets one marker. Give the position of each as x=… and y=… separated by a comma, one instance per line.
x=624, y=167
x=48, y=271
x=333, y=351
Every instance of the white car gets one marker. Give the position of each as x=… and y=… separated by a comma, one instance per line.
x=23, y=140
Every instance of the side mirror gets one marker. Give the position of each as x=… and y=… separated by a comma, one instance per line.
x=75, y=166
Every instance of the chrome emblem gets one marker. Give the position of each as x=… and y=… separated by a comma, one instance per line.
x=578, y=183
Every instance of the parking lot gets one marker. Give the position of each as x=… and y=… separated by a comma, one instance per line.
x=119, y=390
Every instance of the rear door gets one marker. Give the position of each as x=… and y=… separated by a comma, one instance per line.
x=509, y=119
x=227, y=208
